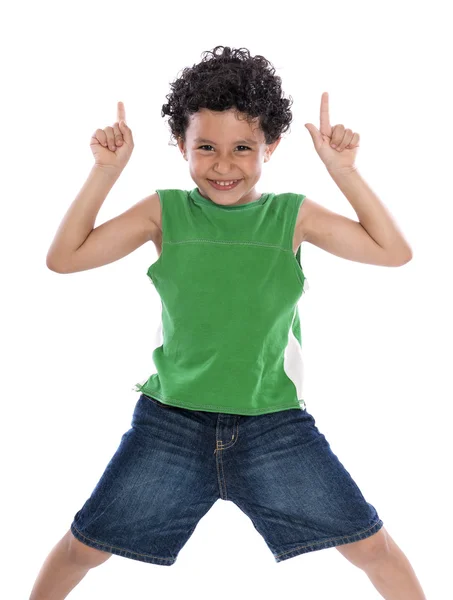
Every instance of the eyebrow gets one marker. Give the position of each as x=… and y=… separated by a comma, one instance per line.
x=245, y=140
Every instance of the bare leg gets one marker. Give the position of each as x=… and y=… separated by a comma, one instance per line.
x=394, y=578
x=387, y=567
x=66, y=565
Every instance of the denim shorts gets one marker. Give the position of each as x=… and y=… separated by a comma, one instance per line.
x=173, y=464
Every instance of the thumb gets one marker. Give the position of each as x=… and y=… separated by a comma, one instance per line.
x=314, y=132
x=127, y=133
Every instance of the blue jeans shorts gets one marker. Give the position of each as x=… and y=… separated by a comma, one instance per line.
x=173, y=464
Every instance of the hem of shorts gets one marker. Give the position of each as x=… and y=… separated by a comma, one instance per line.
x=157, y=560
x=338, y=541
x=301, y=405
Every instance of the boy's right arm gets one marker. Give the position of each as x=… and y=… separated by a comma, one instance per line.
x=79, y=246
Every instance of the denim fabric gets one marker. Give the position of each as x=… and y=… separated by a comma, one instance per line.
x=173, y=464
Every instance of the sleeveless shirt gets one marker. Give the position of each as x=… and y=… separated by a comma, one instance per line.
x=229, y=337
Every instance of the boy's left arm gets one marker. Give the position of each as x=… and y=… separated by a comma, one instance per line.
x=374, y=239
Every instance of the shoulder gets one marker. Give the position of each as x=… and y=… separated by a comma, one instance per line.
x=152, y=204
x=154, y=210
x=149, y=210
x=308, y=211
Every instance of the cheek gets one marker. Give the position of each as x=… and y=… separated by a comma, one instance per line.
x=198, y=163
x=256, y=164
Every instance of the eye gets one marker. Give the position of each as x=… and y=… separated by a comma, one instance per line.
x=208, y=146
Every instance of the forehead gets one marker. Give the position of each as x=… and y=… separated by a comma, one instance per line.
x=223, y=126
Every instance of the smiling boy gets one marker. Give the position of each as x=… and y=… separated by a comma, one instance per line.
x=223, y=414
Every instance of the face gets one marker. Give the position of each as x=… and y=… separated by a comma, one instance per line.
x=221, y=147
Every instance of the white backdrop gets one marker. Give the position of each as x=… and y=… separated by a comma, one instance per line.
x=376, y=340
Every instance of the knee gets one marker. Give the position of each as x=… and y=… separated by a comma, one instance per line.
x=369, y=551
x=83, y=555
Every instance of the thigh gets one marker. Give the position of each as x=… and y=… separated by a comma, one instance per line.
x=154, y=490
x=294, y=488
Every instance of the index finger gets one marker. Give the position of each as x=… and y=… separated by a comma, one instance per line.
x=324, y=117
x=121, y=112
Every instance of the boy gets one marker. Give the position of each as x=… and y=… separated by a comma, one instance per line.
x=223, y=416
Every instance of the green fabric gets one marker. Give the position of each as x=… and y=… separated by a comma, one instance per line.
x=229, y=285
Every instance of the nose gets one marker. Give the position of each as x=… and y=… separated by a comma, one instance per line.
x=223, y=167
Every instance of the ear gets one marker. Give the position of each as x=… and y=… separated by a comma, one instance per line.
x=182, y=147
x=270, y=149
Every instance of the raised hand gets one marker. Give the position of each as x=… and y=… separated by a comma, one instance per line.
x=112, y=147
x=339, y=158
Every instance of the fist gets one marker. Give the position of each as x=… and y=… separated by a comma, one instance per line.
x=112, y=147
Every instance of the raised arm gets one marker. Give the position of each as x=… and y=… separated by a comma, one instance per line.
x=78, y=245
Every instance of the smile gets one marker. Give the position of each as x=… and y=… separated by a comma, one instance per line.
x=228, y=185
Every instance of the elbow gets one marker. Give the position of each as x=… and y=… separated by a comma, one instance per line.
x=401, y=259
x=407, y=257
x=53, y=266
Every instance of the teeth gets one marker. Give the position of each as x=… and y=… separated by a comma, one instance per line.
x=225, y=182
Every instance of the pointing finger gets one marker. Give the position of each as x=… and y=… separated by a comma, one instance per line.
x=121, y=112
x=325, y=127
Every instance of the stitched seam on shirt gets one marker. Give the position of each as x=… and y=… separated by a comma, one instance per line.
x=232, y=244
x=179, y=403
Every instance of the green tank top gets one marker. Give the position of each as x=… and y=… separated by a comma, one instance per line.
x=229, y=337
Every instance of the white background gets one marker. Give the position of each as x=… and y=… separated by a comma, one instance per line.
x=376, y=340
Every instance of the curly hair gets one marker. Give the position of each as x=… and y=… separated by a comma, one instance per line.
x=231, y=78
